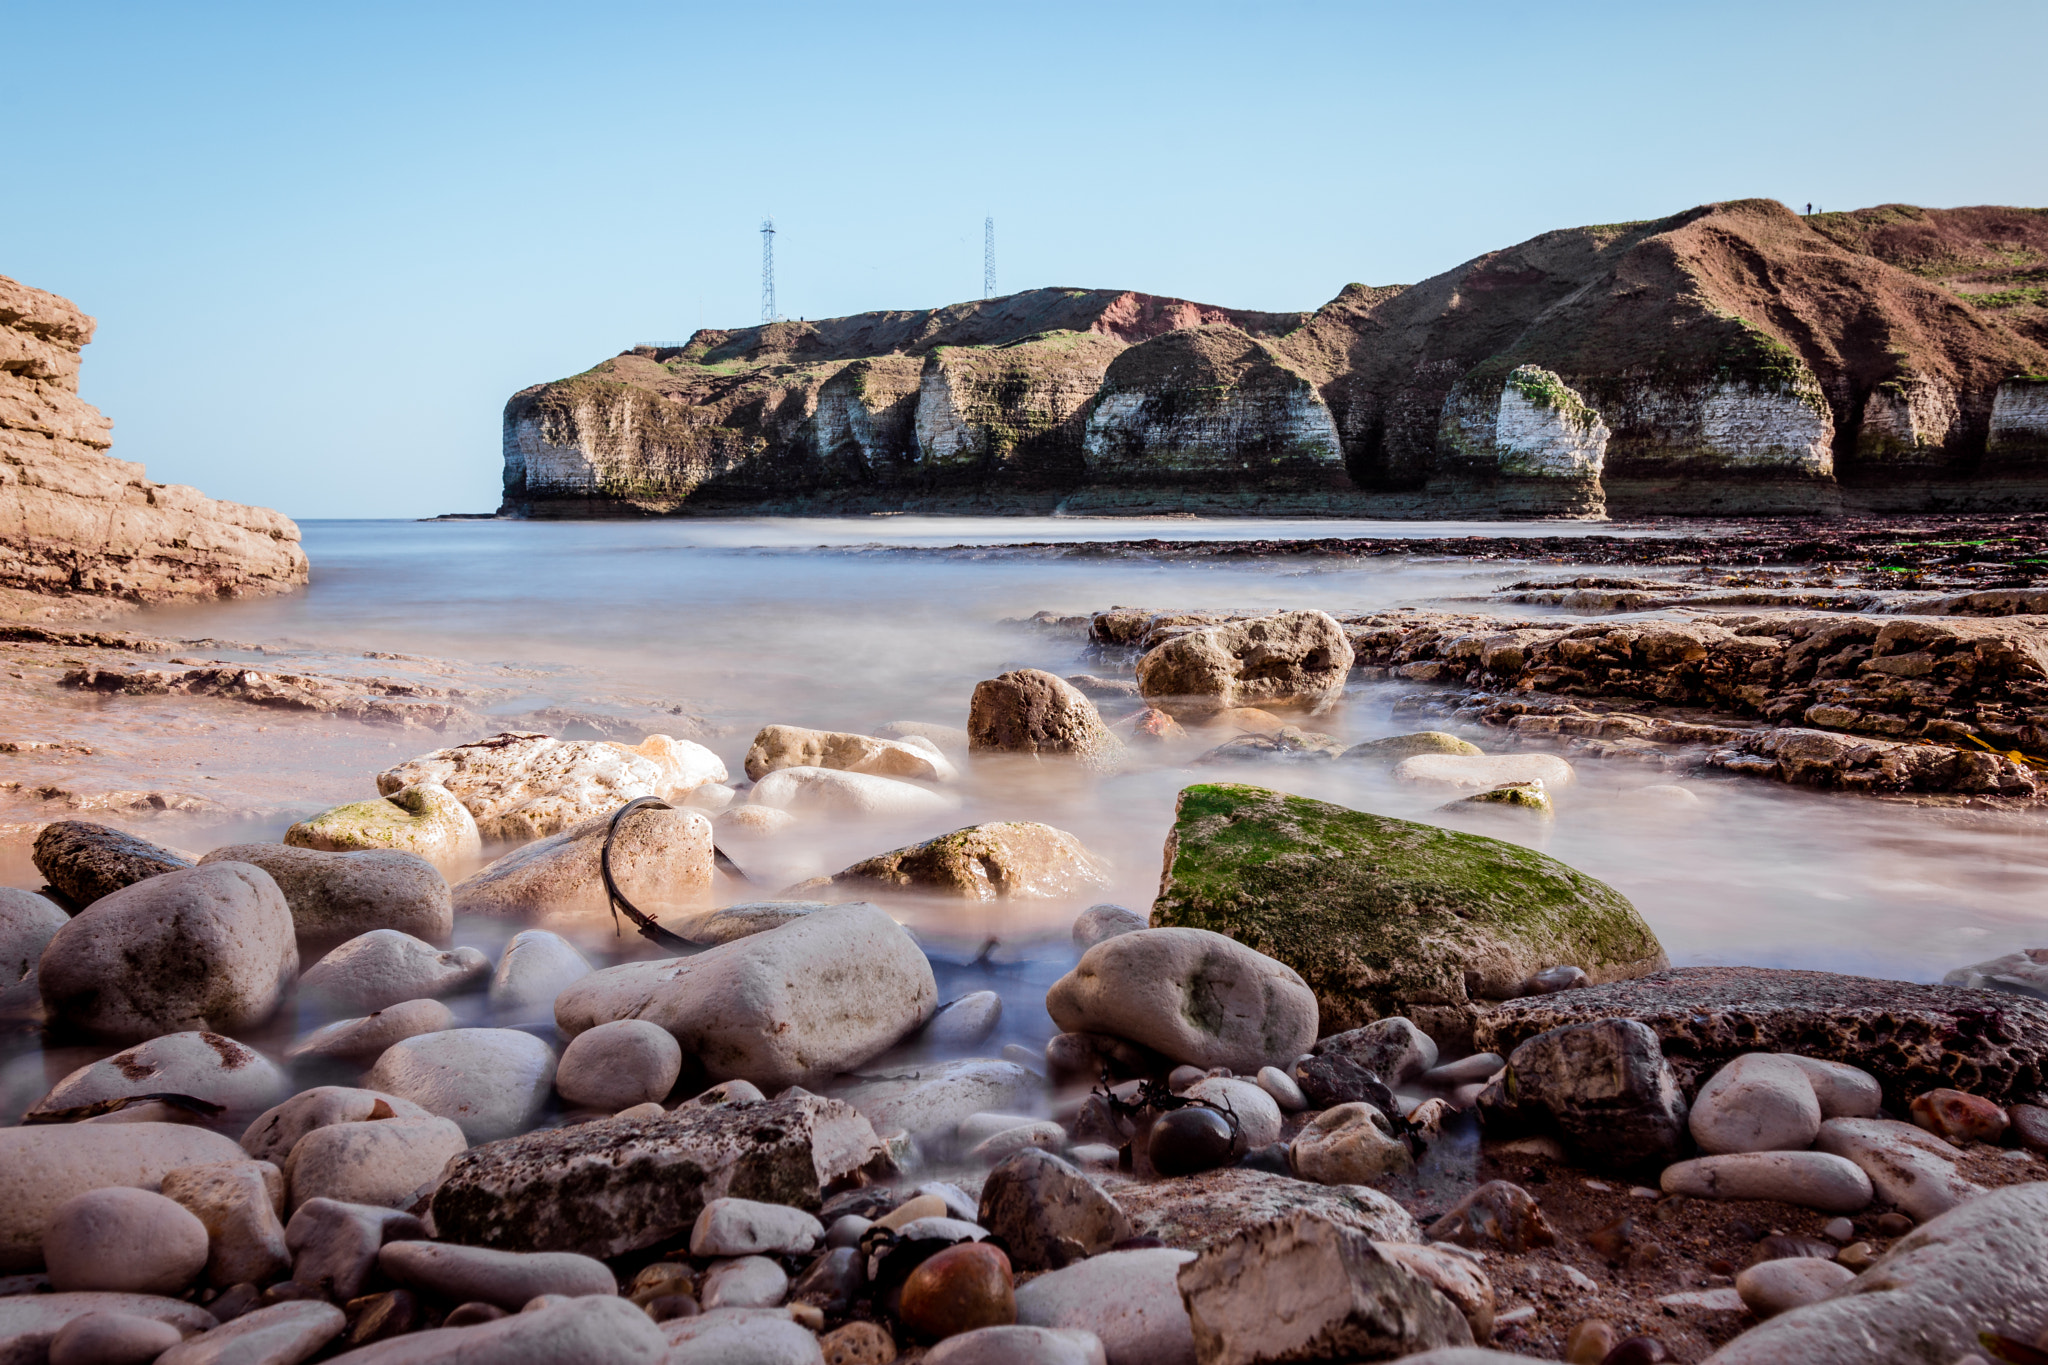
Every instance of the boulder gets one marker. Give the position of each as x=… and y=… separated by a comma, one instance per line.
x=1191, y=995
x=44, y=1165
x=1388, y=917
x=787, y=746
x=1201, y=1211
x=362, y=1041
x=86, y=862
x=29, y=1323
x=239, y=1202
x=385, y=967
x=283, y=1332
x=1040, y=715
x=793, y=1006
x=1393, y=748
x=209, y=948
x=124, y=1241
x=535, y=967
x=205, y=1066
x=1760, y=1102
x=1130, y=1300
x=1007, y=860
x=508, y=1279
x=382, y=1162
x=1603, y=1086
x=935, y=1097
x=522, y=786
x=27, y=924
x=1484, y=772
x=427, y=820
x=829, y=791
x=1813, y=1180
x=618, y=1185
x=1047, y=1213
x=336, y=896
x=274, y=1133
x=617, y=1065
x=1293, y=658
x=1909, y=1167
x=661, y=860
x=492, y=1081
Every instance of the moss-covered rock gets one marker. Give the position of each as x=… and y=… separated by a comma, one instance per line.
x=1394, y=748
x=1006, y=860
x=1383, y=916
x=1530, y=797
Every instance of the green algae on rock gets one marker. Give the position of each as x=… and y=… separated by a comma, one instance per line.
x=1383, y=916
x=1005, y=860
x=1394, y=748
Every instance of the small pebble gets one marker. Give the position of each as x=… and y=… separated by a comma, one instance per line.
x=663, y=1277
x=912, y=1209
x=473, y=1314
x=1514, y=1317
x=1637, y=1351
x=1839, y=1230
x=1189, y=1140
x=1589, y=1342
x=1181, y=1077
x=1893, y=1225
x=663, y=1307
x=1959, y=1117
x=1282, y=1088
x=1551, y=980
x=111, y=1339
x=747, y=1282
x=1856, y=1255
x=846, y=1231
x=857, y=1343
x=1775, y=1287
x=379, y=1317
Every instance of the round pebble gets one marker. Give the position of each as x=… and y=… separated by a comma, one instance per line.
x=473, y=1314
x=1760, y=1102
x=748, y=1282
x=1589, y=1342
x=962, y=1288
x=619, y=1064
x=1181, y=1077
x=1282, y=1088
x=1959, y=1117
x=1189, y=1140
x=125, y=1241
x=846, y=1231
x=1814, y=1180
x=663, y=1307
x=1773, y=1287
x=112, y=1339
x=1839, y=1230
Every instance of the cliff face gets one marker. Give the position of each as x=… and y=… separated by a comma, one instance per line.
x=1732, y=358
x=74, y=522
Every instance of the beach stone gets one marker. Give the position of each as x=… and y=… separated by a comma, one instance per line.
x=1291, y=658
x=747, y=1227
x=910, y=1210
x=336, y=896
x=745, y=1282
x=1909, y=1168
x=425, y=819
x=1099, y=922
x=1553, y=979
x=238, y=1203
x=382, y=1162
x=282, y=1334
x=86, y=862
x=1814, y=1180
x=1497, y=1216
x=1842, y=1091
x=1307, y=1289
x=2029, y=1126
x=1282, y=1087
x=206, y=948
x=622, y=1063
x=846, y=1230
x=1041, y=715
x=725, y=1092
x=27, y=924
x=205, y=1066
x=1604, y=1086
x=966, y=1021
x=1288, y=744
x=1333, y=1079
x=1451, y=1274
x=385, y=967
x=1994, y=1046
x=1480, y=1066
x=935, y=1097
x=1530, y=798
x=1772, y=1287
x=30, y=1323
x=363, y=1040
x=1047, y=1213
x=1130, y=1300
x=1349, y=1145
x=42, y=1166
x=112, y=1339
x=1184, y=1141
x=858, y=1343
x=614, y=1186
x=1928, y=1296
x=1387, y=917
x=1151, y=728
x=1393, y=1049
x=740, y=921
x=535, y=967
x=1258, y=1116
x=793, y=1006
x=1484, y=772
x=831, y=792
x=753, y=821
x=125, y=1241
x=1199, y=1211
x=2021, y=973
x=1759, y=1102
x=949, y=740
x=1194, y=996
x=1959, y=1117
x=491, y=1081
x=590, y=1330
x=1040, y=1134
x=334, y=1245
x=278, y=1129
x=1393, y=748
x=509, y=1279
x=661, y=861
x=1006, y=860
x=1016, y=1345
x=740, y=1336
x=957, y=1290
x=790, y=746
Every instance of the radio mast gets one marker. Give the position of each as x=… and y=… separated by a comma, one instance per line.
x=988, y=257
x=767, y=270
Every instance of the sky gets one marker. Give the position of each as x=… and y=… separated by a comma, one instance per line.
x=326, y=243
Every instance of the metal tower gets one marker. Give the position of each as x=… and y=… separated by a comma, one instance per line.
x=988, y=257
x=767, y=270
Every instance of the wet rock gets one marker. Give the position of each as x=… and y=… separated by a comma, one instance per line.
x=1047, y=1213
x=1083, y=1057
x=1908, y=1167
x=829, y=791
x=1393, y=1049
x=1199, y=1211
x=793, y=1006
x=1015, y=1345
x=614, y=1066
x=1487, y=772
x=739, y=921
x=1151, y=728
x=285, y=1332
x=789, y=746
x=508, y=1279
x=43, y=1166
x=336, y=896
x=1814, y=1180
x=86, y=862
x=1040, y=1135
x=1959, y=1117
x=1498, y=1216
x=1288, y=744
x=522, y=786
x=238, y=1203
x=491, y=1081
x=535, y=967
x=1184, y=1141
x=1394, y=748
x=958, y=1290
x=1336, y=1079
x=363, y=1040
x=947, y=739
x=30, y=1323
x=2021, y=973
x=1772, y=1287
x=385, y=967
x=1282, y=1087
x=2029, y=1126
x=966, y=1021
x=729, y=1336
x=1530, y=798
x=334, y=1245
x=112, y=1339
x=203, y=1065
x=1130, y=1300
x=609, y=1187
x=425, y=819
x=203, y=948
x=858, y=1343
x=745, y=1282
x=277, y=1130
x=1990, y=1045
x=1551, y=980
x=124, y=1241
x=1351, y=1144
x=1037, y=714
x=383, y=1162
x=1453, y=1275
x=1843, y=1091
x=1257, y=1116
x=1294, y=658
x=745, y=1227
x=1603, y=1086
x=1194, y=996
x=1099, y=922
x=1388, y=917
x=27, y=924
x=1757, y=1103
x=1344, y=1300
x=661, y=859
x=833, y=1281
x=1006, y=860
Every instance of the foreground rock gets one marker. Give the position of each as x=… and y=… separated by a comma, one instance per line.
x=793, y=1006
x=425, y=819
x=278, y=1130
x=1911, y=1169
x=1201, y=1211
x=291, y=1331
x=27, y=924
x=383, y=1162
x=788, y=746
x=41, y=1167
x=335, y=896
x=1603, y=1086
x=1388, y=917
x=239, y=1202
x=1009, y=860
x=1047, y=1213
x=1130, y=1300
x=621, y=1184
x=205, y=1066
x=1040, y=715
x=1294, y=658
x=208, y=948
x=29, y=1322
x=125, y=1241
x=661, y=860
x=85, y=861
x=491, y=1081
x=1994, y=1046
x=385, y=967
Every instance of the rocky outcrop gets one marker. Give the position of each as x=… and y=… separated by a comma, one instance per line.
x=76, y=523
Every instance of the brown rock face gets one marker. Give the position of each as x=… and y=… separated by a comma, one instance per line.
x=1030, y=711
x=1294, y=658
x=85, y=861
x=74, y=521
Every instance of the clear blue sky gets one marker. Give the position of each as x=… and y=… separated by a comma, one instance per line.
x=324, y=244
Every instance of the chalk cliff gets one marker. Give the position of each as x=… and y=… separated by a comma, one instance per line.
x=1733, y=358
x=77, y=523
